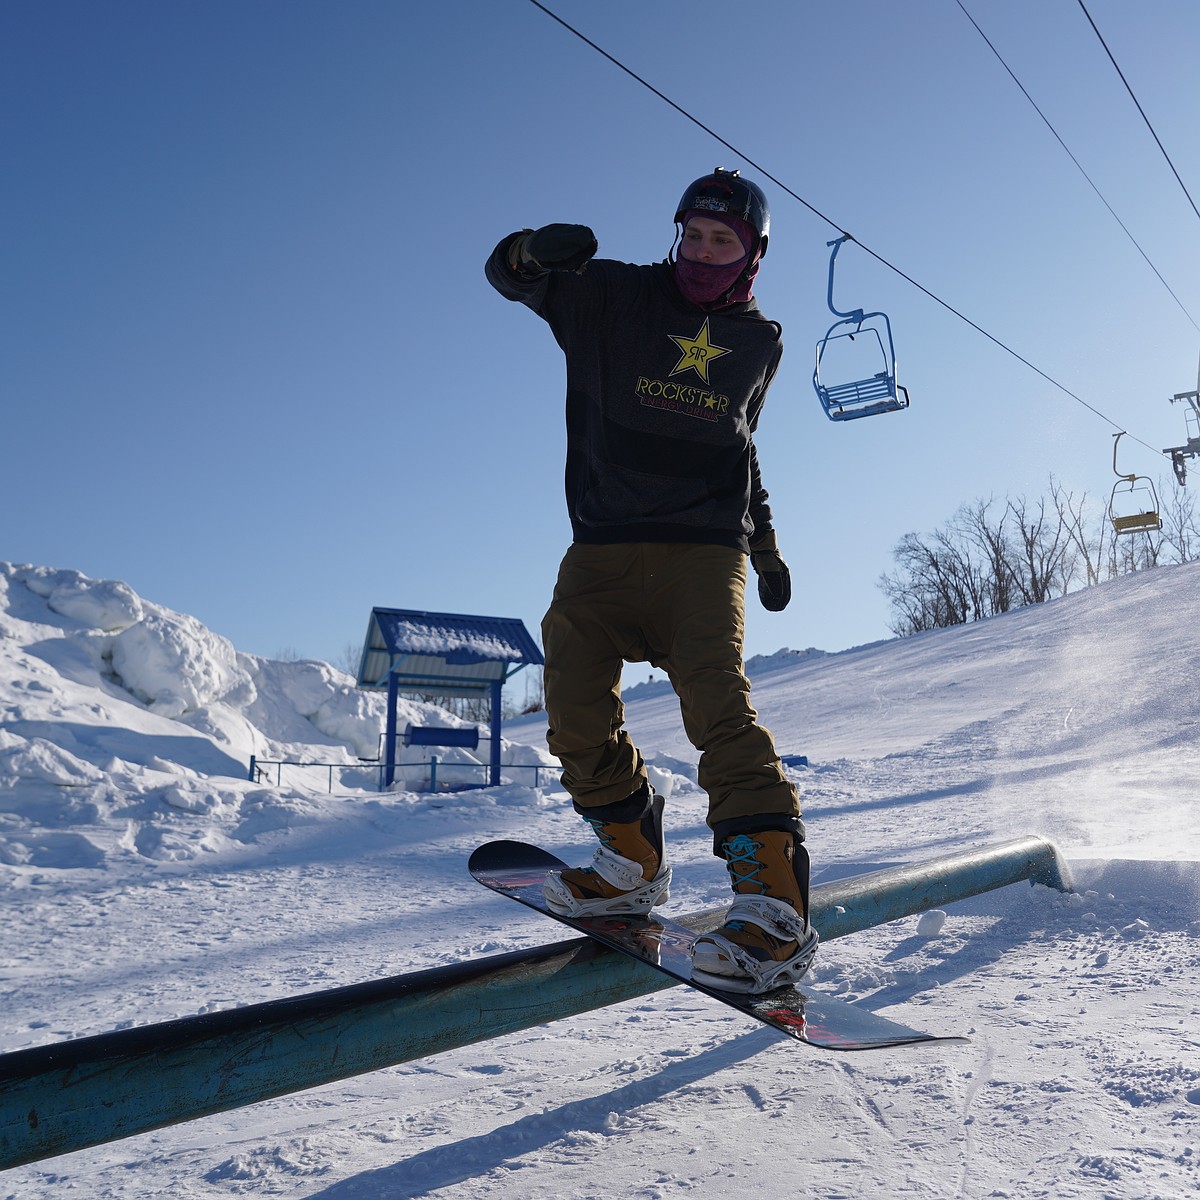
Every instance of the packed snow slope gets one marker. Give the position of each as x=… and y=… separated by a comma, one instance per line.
x=145, y=877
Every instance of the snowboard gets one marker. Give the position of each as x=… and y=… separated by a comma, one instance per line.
x=517, y=870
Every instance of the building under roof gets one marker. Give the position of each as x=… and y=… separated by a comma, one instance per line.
x=443, y=654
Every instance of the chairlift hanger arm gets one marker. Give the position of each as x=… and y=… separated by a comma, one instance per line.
x=855, y=314
x=1116, y=442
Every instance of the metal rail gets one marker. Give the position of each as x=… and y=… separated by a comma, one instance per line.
x=59, y=1098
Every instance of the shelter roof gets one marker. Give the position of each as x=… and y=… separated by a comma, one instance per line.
x=448, y=653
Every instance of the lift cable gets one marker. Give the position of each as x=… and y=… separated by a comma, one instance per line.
x=1139, y=108
x=830, y=221
x=1078, y=164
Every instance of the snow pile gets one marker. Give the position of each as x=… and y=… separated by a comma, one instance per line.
x=144, y=714
x=96, y=603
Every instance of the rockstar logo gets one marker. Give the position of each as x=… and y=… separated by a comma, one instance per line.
x=697, y=352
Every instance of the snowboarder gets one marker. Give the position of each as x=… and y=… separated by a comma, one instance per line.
x=668, y=366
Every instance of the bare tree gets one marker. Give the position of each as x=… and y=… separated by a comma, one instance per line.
x=535, y=691
x=1086, y=542
x=1043, y=561
x=467, y=708
x=979, y=564
x=994, y=571
x=1180, y=536
x=1129, y=552
x=350, y=658
x=535, y=697
x=937, y=582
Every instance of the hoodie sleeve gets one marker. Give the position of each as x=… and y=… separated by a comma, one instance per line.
x=760, y=510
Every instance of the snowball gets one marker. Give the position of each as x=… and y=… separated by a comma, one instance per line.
x=663, y=782
x=931, y=922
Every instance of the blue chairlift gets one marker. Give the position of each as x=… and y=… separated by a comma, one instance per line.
x=868, y=394
x=1133, y=505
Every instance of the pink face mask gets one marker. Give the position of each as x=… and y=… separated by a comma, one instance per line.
x=703, y=283
x=706, y=283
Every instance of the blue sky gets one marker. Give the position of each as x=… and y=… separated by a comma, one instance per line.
x=250, y=364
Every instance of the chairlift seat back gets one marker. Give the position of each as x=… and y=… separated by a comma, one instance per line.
x=865, y=397
x=1147, y=522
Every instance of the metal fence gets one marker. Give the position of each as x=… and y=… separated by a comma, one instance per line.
x=262, y=770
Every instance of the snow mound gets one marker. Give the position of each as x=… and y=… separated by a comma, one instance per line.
x=175, y=665
x=38, y=759
x=102, y=604
x=137, y=725
x=331, y=709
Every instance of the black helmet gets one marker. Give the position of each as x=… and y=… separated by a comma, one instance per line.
x=727, y=192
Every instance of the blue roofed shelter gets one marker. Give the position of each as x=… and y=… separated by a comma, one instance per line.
x=443, y=654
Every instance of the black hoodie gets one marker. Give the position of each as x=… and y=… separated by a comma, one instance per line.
x=662, y=402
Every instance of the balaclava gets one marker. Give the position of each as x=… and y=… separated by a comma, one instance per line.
x=709, y=285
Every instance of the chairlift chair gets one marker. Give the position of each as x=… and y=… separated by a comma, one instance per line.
x=1133, y=505
x=871, y=393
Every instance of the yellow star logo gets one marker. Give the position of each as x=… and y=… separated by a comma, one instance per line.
x=697, y=352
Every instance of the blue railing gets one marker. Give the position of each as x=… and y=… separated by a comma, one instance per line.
x=260, y=774
x=67, y=1096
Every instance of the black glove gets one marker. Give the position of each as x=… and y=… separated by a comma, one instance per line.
x=774, y=578
x=554, y=248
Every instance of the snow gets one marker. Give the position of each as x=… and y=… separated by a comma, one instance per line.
x=453, y=642
x=145, y=877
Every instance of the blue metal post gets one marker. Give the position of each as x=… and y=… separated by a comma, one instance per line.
x=389, y=753
x=494, y=773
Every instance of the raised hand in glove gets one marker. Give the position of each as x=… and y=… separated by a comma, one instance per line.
x=774, y=578
x=554, y=248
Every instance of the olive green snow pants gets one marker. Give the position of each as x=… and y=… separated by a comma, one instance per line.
x=681, y=608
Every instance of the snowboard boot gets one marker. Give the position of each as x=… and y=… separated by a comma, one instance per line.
x=629, y=874
x=766, y=940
